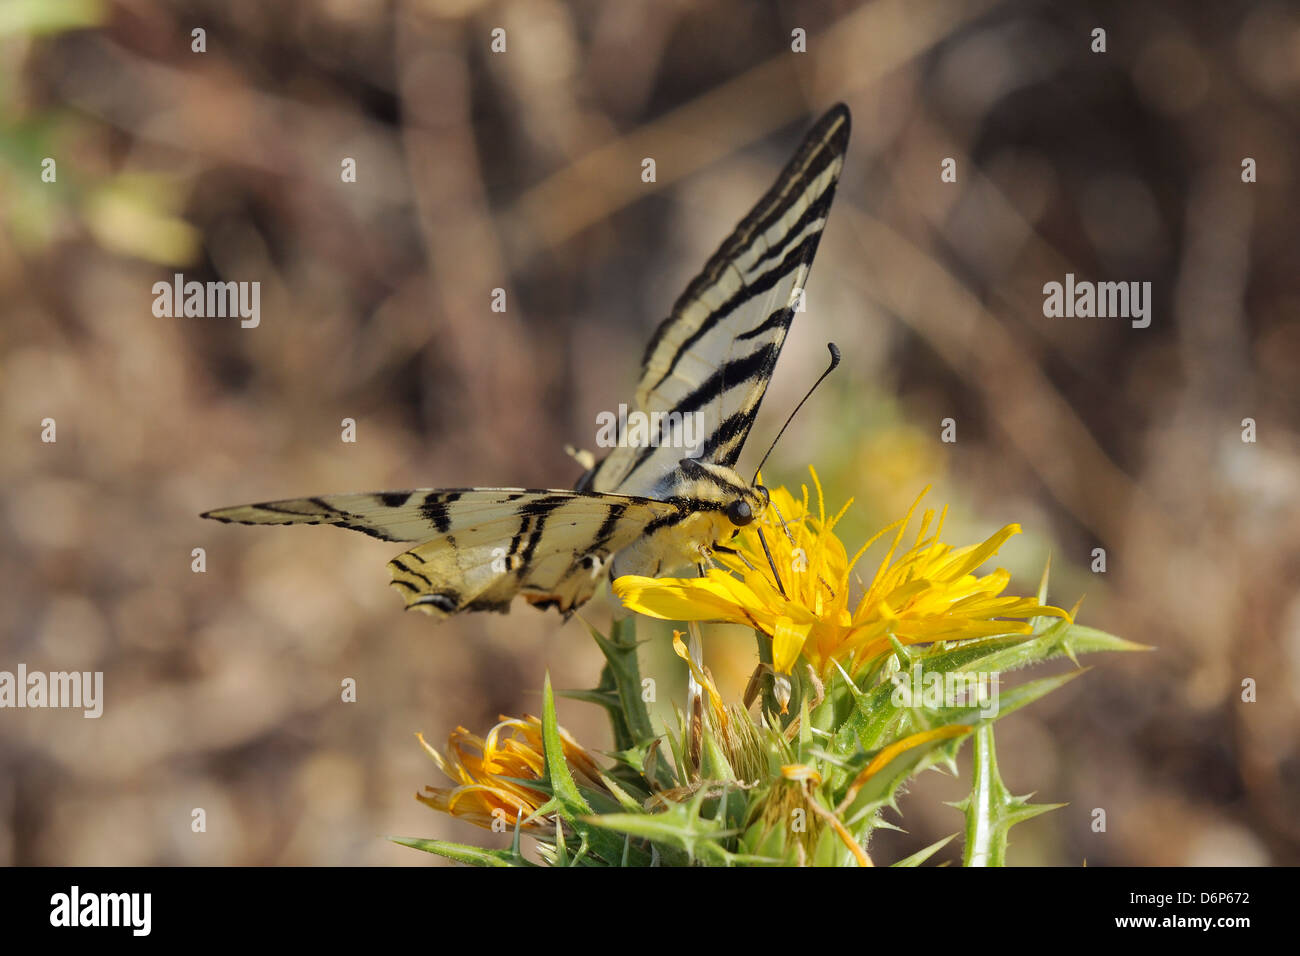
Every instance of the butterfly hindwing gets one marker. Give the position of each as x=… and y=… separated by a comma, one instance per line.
x=481, y=546
x=715, y=353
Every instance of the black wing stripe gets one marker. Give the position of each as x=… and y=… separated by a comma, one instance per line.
x=803, y=169
x=539, y=514
x=779, y=319
x=824, y=144
x=818, y=151
x=801, y=255
x=814, y=214
x=435, y=510
x=734, y=374
x=737, y=373
x=729, y=437
x=607, y=527
x=415, y=574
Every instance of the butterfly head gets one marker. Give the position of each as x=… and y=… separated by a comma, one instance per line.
x=742, y=510
x=717, y=488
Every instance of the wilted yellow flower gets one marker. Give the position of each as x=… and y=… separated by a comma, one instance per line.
x=482, y=769
x=731, y=726
x=919, y=594
x=800, y=772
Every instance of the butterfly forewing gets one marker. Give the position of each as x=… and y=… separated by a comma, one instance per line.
x=715, y=353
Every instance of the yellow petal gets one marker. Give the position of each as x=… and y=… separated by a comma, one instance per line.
x=787, y=643
x=701, y=678
x=718, y=596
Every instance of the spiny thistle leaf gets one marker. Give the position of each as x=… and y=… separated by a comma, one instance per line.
x=625, y=800
x=1060, y=640
x=565, y=796
x=622, y=667
x=567, y=801
x=683, y=827
x=619, y=693
x=920, y=856
x=880, y=778
x=460, y=853
x=878, y=716
x=1041, y=623
x=991, y=809
x=914, y=719
x=596, y=801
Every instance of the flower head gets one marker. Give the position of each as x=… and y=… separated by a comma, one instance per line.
x=928, y=591
x=491, y=773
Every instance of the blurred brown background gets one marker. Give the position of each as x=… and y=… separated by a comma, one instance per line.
x=522, y=171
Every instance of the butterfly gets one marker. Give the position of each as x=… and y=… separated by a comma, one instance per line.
x=646, y=507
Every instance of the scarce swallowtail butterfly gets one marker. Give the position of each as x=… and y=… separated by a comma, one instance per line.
x=640, y=510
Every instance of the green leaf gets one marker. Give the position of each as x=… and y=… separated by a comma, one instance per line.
x=625, y=799
x=1040, y=623
x=831, y=851
x=882, y=788
x=597, y=696
x=875, y=719
x=1063, y=639
x=566, y=800
x=1008, y=702
x=868, y=723
x=920, y=856
x=561, y=845
x=1089, y=640
x=677, y=746
x=623, y=669
x=460, y=853
x=682, y=832
x=991, y=810
x=713, y=761
x=682, y=839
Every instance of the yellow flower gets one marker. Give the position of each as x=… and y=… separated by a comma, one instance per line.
x=482, y=770
x=922, y=593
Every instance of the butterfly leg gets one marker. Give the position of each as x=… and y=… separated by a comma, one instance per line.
x=723, y=549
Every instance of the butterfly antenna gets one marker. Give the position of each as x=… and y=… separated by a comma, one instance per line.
x=772, y=564
x=835, y=360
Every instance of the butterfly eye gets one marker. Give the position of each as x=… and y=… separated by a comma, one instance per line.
x=739, y=512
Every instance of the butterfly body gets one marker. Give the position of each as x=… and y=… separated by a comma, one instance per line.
x=644, y=508
x=711, y=502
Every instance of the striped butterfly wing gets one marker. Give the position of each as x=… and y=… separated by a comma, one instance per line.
x=480, y=547
x=715, y=353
